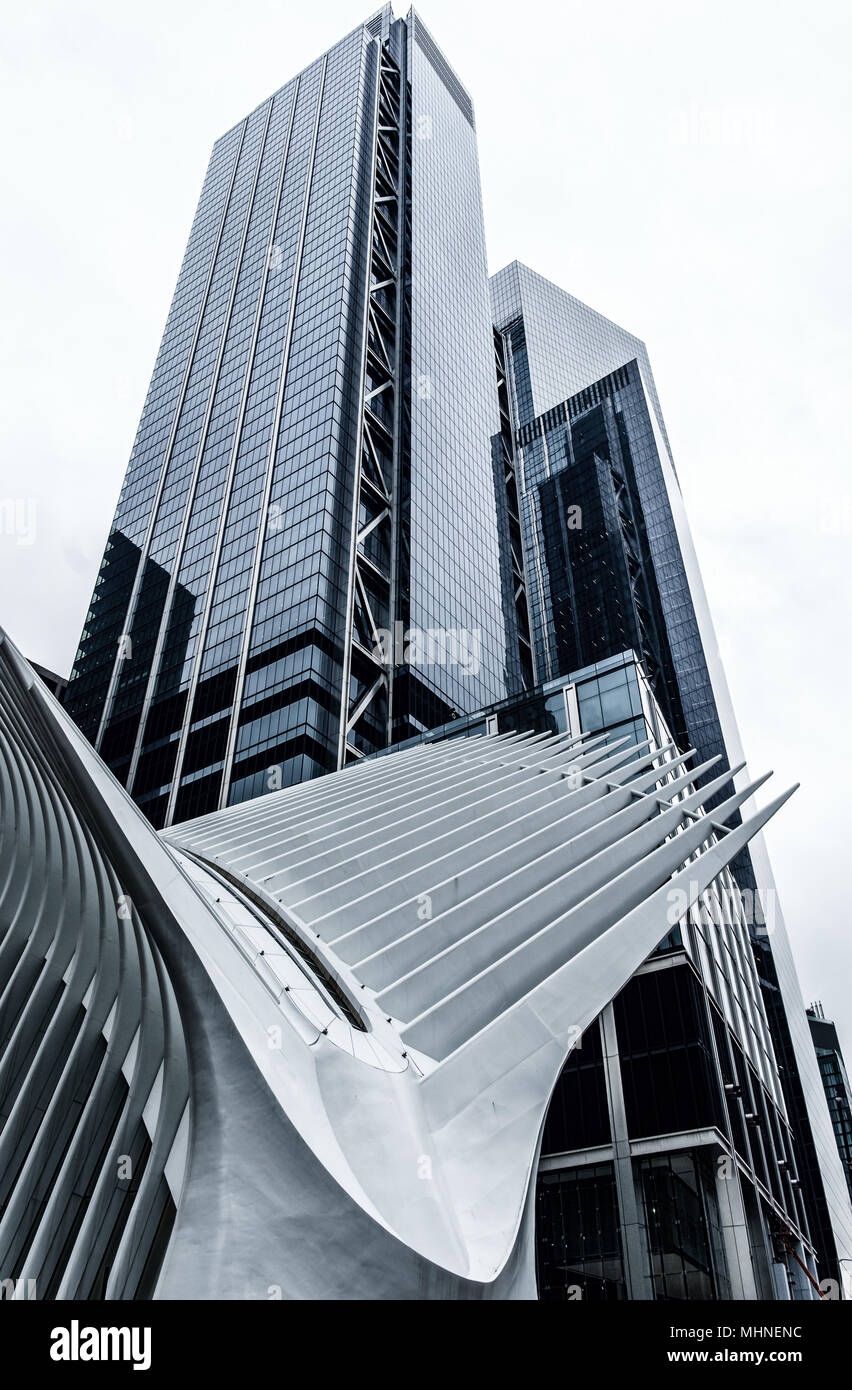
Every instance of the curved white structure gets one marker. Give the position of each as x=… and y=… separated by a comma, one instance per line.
x=324, y=1025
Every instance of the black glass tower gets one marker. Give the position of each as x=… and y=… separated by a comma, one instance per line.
x=835, y=1080
x=609, y=564
x=605, y=540
x=304, y=562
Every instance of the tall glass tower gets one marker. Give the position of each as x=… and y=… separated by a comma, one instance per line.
x=605, y=540
x=304, y=561
x=609, y=565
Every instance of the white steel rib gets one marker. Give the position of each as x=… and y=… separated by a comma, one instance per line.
x=324, y=1024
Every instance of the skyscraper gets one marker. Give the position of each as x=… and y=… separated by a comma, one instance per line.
x=606, y=551
x=835, y=1080
x=313, y=463
x=610, y=563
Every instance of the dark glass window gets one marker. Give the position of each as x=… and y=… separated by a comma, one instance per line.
x=578, y=1117
x=579, y=1245
x=667, y=1064
x=682, y=1227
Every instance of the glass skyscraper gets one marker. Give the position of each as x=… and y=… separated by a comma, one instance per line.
x=835, y=1081
x=604, y=564
x=312, y=477
x=609, y=564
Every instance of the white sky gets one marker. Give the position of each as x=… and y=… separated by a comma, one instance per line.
x=681, y=165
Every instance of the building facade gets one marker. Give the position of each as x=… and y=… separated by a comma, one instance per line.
x=313, y=463
x=836, y=1083
x=604, y=550
x=609, y=562
x=668, y=1164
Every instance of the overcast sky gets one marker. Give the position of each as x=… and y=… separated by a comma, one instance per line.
x=681, y=165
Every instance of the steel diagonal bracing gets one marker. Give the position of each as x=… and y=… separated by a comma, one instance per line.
x=365, y=709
